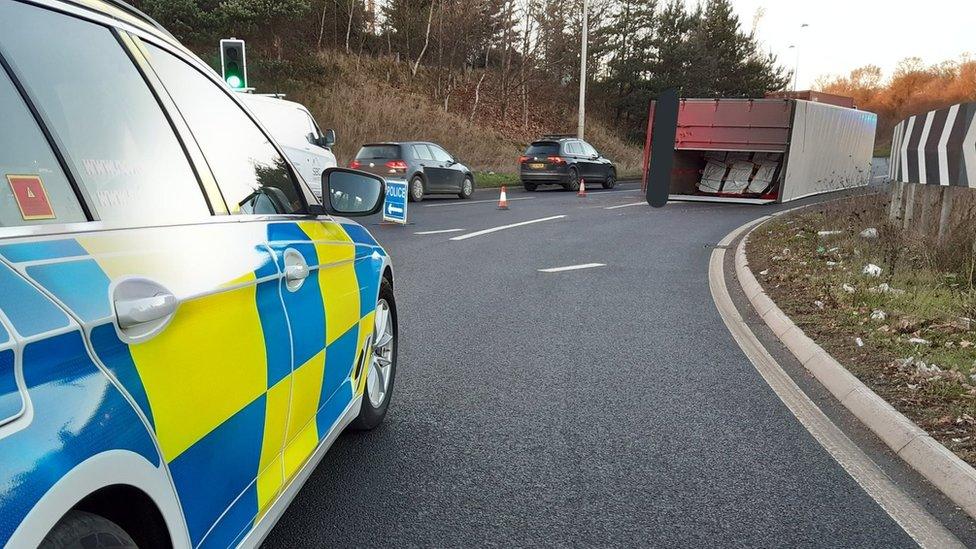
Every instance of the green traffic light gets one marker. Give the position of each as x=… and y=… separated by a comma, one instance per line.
x=234, y=81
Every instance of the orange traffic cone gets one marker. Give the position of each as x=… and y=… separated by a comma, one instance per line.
x=503, y=200
x=582, y=189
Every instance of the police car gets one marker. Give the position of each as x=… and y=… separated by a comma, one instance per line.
x=184, y=328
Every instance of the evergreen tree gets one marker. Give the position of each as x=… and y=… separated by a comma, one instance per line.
x=632, y=56
x=273, y=15
x=724, y=61
x=189, y=20
x=670, y=67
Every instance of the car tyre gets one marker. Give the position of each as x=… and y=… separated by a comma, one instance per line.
x=530, y=187
x=416, y=189
x=574, y=180
x=467, y=188
x=611, y=181
x=381, y=371
x=81, y=529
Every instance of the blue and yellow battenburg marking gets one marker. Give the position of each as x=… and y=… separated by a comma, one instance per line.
x=77, y=412
x=248, y=377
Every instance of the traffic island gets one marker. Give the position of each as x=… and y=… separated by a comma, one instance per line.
x=882, y=314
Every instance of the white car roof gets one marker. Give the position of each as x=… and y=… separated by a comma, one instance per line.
x=270, y=100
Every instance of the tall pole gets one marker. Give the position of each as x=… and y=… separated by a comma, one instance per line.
x=582, y=92
x=796, y=68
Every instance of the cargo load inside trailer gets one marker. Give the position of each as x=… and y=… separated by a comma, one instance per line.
x=767, y=150
x=732, y=174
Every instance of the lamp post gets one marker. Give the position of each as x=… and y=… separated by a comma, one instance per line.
x=796, y=67
x=582, y=92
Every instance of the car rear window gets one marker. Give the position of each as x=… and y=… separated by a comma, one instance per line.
x=542, y=148
x=379, y=151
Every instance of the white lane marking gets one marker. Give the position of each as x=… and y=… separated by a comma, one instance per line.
x=503, y=227
x=441, y=231
x=572, y=267
x=467, y=202
x=925, y=529
x=643, y=203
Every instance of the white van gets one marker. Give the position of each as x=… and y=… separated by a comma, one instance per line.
x=294, y=128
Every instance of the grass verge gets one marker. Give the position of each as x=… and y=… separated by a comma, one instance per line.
x=486, y=180
x=906, y=329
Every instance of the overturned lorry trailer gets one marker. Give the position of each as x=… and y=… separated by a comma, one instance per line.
x=766, y=150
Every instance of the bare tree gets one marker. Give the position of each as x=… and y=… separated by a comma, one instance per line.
x=352, y=10
x=321, y=26
x=430, y=19
x=526, y=30
x=477, y=89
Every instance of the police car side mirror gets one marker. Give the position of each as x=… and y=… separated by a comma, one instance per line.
x=352, y=193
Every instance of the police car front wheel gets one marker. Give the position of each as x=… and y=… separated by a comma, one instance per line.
x=382, y=362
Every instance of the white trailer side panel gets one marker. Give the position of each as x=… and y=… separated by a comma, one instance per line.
x=830, y=149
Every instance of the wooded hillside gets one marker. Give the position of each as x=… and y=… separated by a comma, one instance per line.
x=511, y=65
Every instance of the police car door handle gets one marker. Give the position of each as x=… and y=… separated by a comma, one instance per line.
x=296, y=269
x=294, y=273
x=132, y=312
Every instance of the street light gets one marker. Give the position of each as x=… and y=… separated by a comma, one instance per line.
x=582, y=92
x=796, y=67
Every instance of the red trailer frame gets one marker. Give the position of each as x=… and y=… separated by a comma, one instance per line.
x=830, y=142
x=747, y=125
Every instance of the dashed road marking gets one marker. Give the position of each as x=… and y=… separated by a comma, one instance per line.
x=503, y=227
x=441, y=231
x=469, y=202
x=641, y=203
x=572, y=268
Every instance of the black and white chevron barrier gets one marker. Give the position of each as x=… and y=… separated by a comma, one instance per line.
x=936, y=148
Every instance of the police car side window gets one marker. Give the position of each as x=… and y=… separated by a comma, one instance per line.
x=114, y=135
x=252, y=176
x=33, y=188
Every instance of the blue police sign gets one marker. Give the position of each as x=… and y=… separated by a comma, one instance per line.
x=395, y=206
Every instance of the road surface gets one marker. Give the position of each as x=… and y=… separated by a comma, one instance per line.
x=599, y=406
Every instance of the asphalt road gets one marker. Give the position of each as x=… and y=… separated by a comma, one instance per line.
x=600, y=407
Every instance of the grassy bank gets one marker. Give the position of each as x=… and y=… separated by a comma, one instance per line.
x=906, y=328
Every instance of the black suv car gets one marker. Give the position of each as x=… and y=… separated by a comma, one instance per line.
x=564, y=160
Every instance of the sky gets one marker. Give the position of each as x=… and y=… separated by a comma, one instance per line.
x=846, y=34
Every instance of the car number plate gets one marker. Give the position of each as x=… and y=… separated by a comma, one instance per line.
x=537, y=166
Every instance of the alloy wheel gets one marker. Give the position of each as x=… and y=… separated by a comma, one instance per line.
x=381, y=363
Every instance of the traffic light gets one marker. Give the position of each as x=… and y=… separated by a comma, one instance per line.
x=233, y=63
